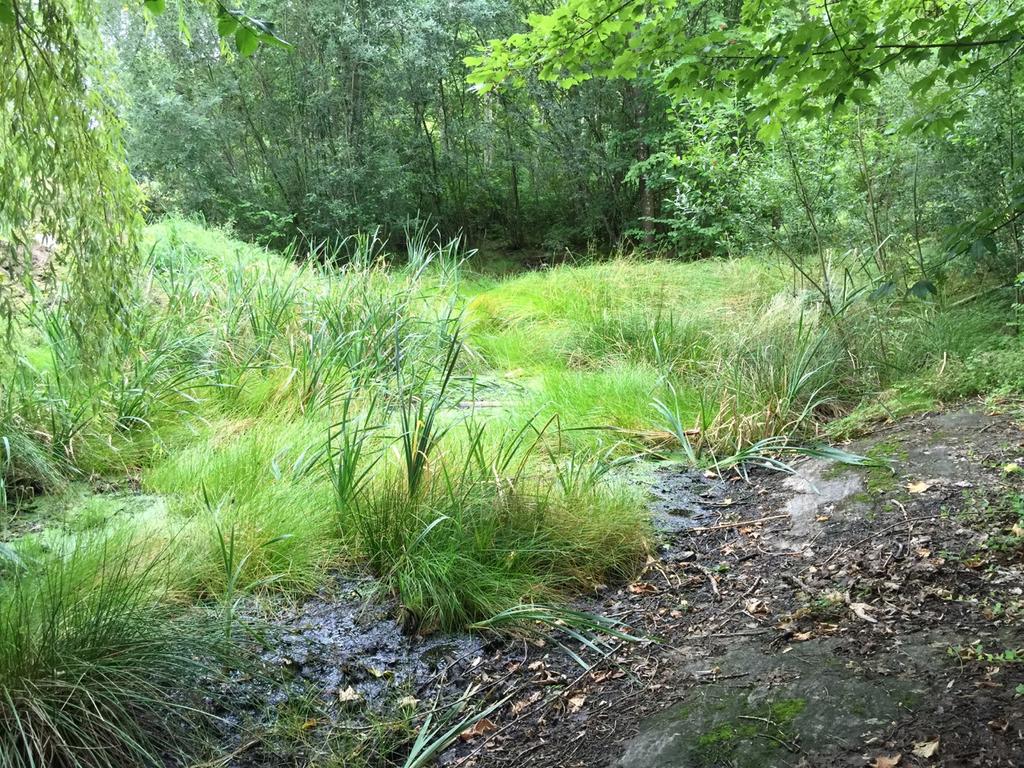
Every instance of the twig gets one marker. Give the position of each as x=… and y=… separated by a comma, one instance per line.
x=895, y=525
x=711, y=580
x=738, y=524
x=738, y=633
x=735, y=602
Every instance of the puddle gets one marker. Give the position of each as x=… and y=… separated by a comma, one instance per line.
x=346, y=638
x=341, y=655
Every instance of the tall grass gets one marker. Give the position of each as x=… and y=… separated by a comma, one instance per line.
x=94, y=671
x=487, y=530
x=460, y=437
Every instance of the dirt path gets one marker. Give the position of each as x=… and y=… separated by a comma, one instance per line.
x=869, y=618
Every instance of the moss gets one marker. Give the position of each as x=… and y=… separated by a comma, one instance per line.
x=882, y=479
x=774, y=718
x=784, y=711
x=720, y=735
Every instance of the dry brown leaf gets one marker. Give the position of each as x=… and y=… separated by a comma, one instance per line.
x=887, y=761
x=642, y=588
x=802, y=636
x=480, y=728
x=576, y=703
x=919, y=487
x=349, y=696
x=860, y=610
x=523, y=703
x=926, y=748
x=753, y=605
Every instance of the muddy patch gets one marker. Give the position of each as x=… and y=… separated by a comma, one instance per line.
x=682, y=499
x=336, y=676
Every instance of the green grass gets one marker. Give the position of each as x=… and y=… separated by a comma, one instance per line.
x=95, y=670
x=457, y=435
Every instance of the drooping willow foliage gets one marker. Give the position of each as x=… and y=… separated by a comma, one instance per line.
x=62, y=167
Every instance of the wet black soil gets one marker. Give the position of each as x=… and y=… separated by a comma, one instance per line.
x=845, y=616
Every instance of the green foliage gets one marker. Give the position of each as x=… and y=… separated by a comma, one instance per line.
x=68, y=197
x=789, y=63
x=91, y=663
x=367, y=122
x=791, y=59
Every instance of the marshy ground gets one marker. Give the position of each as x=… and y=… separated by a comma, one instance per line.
x=843, y=616
x=393, y=509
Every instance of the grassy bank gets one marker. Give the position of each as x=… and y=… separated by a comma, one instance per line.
x=255, y=424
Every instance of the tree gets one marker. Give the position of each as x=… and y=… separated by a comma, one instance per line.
x=789, y=60
x=62, y=159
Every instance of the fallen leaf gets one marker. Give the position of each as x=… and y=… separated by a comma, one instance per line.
x=753, y=605
x=884, y=761
x=926, y=748
x=576, y=703
x=480, y=728
x=802, y=636
x=919, y=487
x=642, y=588
x=860, y=610
x=349, y=696
x=523, y=703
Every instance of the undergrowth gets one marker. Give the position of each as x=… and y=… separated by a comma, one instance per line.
x=461, y=437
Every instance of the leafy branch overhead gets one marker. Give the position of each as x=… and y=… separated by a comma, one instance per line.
x=247, y=31
x=789, y=58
